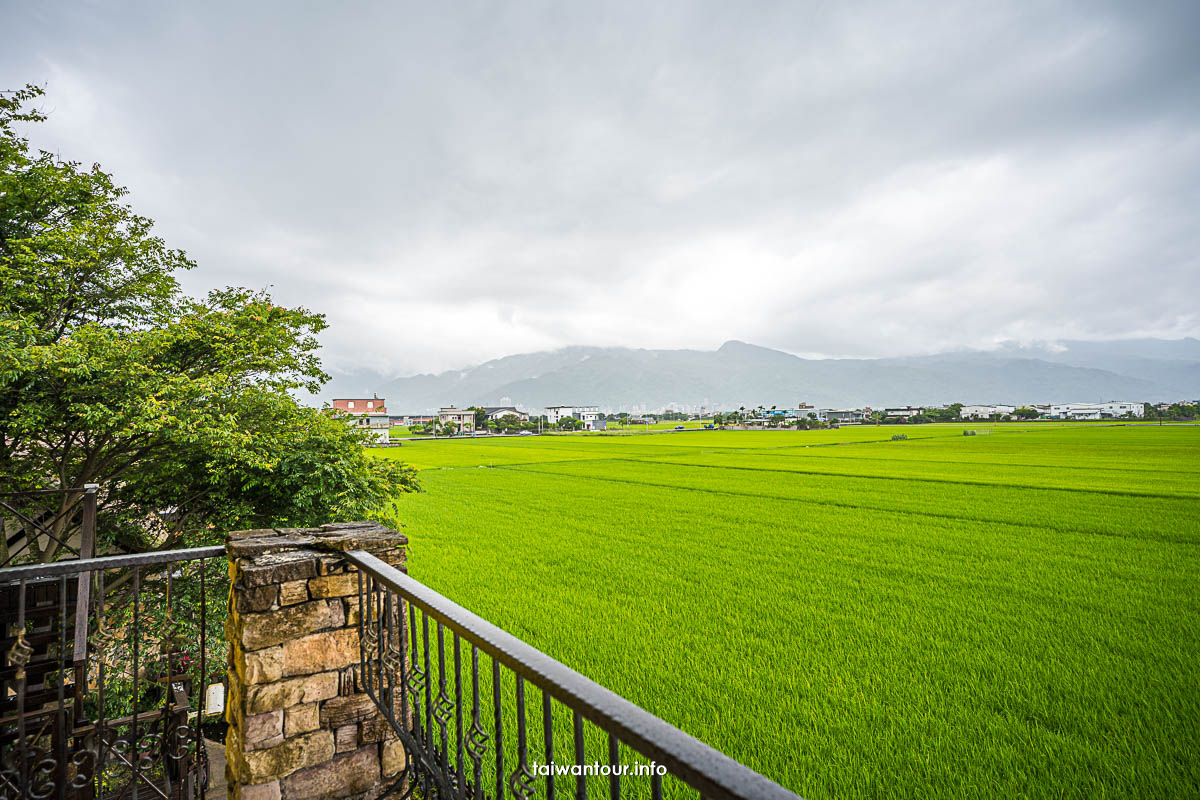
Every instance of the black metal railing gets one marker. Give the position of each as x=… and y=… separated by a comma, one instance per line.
x=470, y=738
x=41, y=525
x=106, y=665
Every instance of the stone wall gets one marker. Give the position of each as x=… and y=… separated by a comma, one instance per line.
x=300, y=725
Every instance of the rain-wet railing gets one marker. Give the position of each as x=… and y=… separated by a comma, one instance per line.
x=470, y=735
x=106, y=665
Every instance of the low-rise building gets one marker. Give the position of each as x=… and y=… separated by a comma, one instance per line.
x=366, y=412
x=1110, y=410
x=585, y=414
x=464, y=418
x=496, y=412
x=986, y=412
x=358, y=405
x=412, y=419
x=842, y=414
x=902, y=412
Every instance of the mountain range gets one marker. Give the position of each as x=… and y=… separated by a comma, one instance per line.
x=739, y=374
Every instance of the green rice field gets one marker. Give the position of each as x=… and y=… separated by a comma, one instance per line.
x=1012, y=614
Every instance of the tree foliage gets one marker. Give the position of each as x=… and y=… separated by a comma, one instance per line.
x=179, y=407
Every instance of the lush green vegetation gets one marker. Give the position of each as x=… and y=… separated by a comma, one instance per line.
x=110, y=374
x=1013, y=614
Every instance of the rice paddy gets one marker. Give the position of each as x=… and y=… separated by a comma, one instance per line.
x=1013, y=614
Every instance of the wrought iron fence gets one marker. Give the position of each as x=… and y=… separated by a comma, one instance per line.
x=454, y=688
x=106, y=665
x=41, y=525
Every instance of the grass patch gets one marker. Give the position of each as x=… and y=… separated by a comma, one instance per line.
x=1015, y=614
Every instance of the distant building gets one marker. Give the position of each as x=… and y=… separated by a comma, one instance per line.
x=1109, y=410
x=411, y=419
x=588, y=415
x=356, y=405
x=842, y=415
x=496, y=412
x=985, y=412
x=902, y=412
x=462, y=417
x=366, y=412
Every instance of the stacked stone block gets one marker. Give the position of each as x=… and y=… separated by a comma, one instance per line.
x=300, y=724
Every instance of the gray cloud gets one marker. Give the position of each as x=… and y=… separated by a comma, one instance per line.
x=459, y=183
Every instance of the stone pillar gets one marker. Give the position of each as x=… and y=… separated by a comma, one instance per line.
x=300, y=725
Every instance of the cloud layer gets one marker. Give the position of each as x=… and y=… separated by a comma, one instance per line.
x=456, y=183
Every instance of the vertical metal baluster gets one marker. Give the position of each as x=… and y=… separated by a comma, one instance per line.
x=202, y=702
x=386, y=682
x=414, y=665
x=548, y=731
x=135, y=632
x=60, y=714
x=614, y=760
x=476, y=729
x=22, y=749
x=167, y=741
x=428, y=691
x=496, y=687
x=419, y=733
x=101, y=733
x=404, y=653
x=459, y=713
x=522, y=744
x=362, y=639
x=580, y=779
x=381, y=641
x=367, y=612
x=443, y=715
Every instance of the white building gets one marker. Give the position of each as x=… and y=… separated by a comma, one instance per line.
x=842, y=414
x=496, y=412
x=1115, y=408
x=366, y=412
x=585, y=414
x=985, y=412
x=1110, y=410
x=463, y=418
x=903, y=412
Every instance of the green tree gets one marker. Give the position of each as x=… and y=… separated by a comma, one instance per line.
x=509, y=423
x=1027, y=412
x=110, y=375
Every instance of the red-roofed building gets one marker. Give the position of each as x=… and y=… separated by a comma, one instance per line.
x=367, y=413
x=355, y=405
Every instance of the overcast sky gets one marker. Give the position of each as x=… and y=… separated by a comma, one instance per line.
x=451, y=182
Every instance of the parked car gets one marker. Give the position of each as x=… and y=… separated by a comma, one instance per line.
x=678, y=427
x=527, y=433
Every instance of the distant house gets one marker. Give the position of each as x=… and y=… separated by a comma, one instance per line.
x=462, y=417
x=411, y=419
x=371, y=405
x=588, y=415
x=842, y=414
x=366, y=412
x=902, y=412
x=1107, y=410
x=496, y=412
x=804, y=409
x=985, y=412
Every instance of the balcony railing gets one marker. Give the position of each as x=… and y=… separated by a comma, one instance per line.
x=421, y=663
x=106, y=664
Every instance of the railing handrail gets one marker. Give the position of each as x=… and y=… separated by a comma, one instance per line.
x=73, y=566
x=713, y=773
